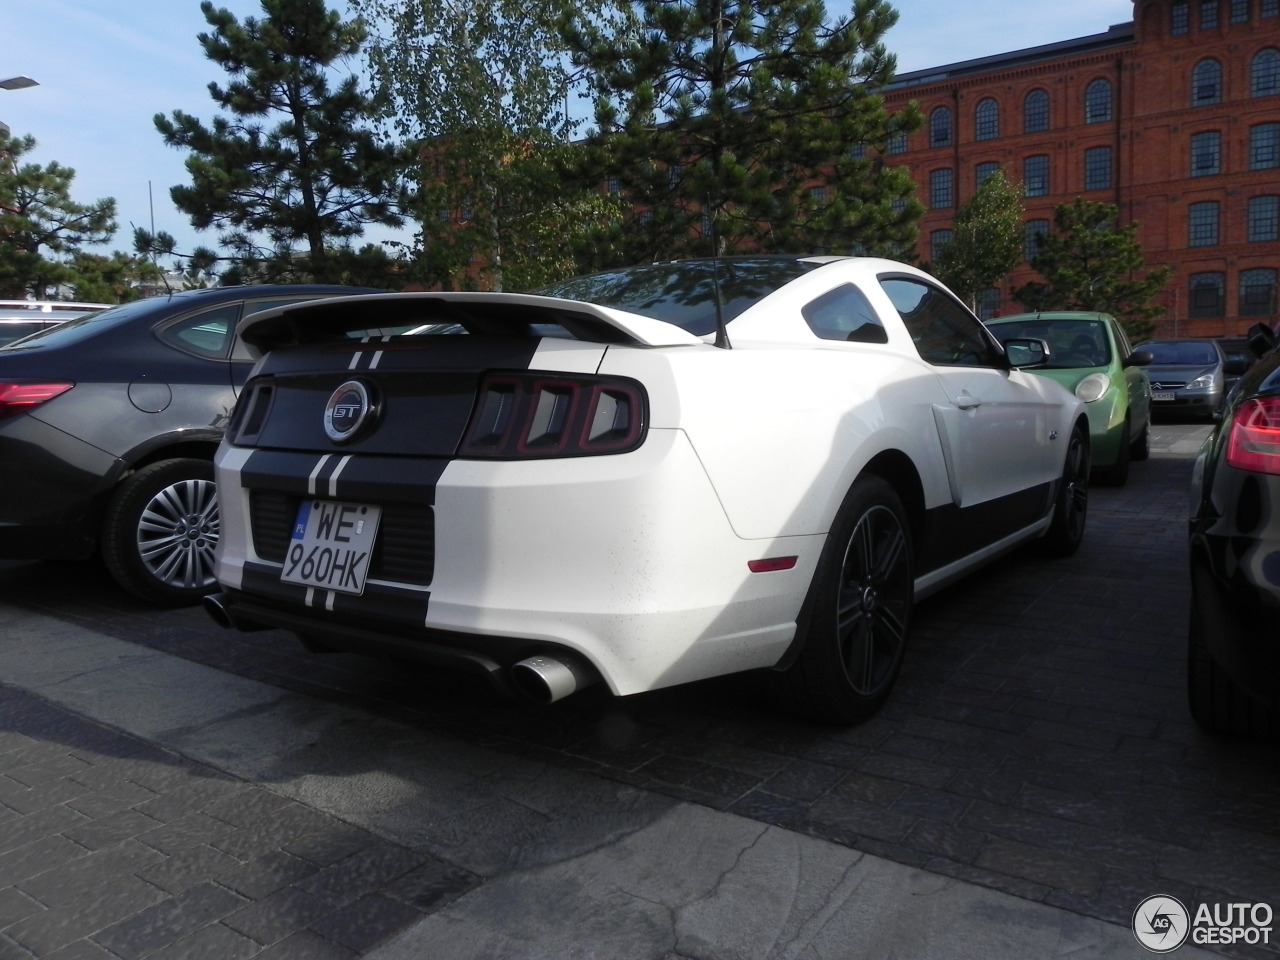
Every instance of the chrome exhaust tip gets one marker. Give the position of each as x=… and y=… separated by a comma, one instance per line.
x=546, y=679
x=219, y=607
x=215, y=604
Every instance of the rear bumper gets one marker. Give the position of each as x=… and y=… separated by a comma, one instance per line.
x=627, y=561
x=1235, y=576
x=54, y=489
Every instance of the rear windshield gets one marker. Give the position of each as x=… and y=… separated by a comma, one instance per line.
x=88, y=325
x=684, y=293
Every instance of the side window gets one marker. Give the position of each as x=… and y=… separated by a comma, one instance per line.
x=944, y=332
x=205, y=334
x=844, y=314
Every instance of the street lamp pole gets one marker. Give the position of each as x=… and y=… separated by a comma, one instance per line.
x=15, y=83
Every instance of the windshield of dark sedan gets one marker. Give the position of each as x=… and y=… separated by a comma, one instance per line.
x=1182, y=353
x=684, y=292
x=1072, y=343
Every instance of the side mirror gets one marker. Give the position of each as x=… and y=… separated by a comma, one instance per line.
x=1262, y=339
x=1141, y=358
x=1026, y=352
x=1235, y=365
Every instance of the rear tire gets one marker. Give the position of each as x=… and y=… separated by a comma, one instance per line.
x=160, y=531
x=1071, y=502
x=857, y=614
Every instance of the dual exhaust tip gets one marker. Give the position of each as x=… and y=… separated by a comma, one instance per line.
x=544, y=678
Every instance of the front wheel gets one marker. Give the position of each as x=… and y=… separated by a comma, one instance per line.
x=160, y=532
x=858, y=611
x=1140, y=449
x=1071, y=502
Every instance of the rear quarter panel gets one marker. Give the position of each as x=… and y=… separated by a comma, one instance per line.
x=783, y=432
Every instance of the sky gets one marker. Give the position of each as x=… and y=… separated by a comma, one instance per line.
x=105, y=68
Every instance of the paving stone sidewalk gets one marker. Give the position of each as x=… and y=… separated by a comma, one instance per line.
x=114, y=849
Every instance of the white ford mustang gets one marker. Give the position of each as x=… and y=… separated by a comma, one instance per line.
x=647, y=476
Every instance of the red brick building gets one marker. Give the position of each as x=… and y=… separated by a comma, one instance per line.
x=1174, y=118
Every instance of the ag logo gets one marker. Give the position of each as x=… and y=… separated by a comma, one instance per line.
x=350, y=407
x=1161, y=924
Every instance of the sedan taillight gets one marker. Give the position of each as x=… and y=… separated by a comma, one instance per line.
x=22, y=396
x=1255, y=436
x=522, y=416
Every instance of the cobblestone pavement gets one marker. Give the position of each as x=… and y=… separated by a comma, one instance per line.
x=149, y=854
x=1038, y=741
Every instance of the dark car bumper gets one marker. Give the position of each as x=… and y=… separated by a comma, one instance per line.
x=55, y=487
x=1187, y=403
x=1235, y=577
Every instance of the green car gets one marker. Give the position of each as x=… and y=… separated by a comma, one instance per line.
x=1091, y=356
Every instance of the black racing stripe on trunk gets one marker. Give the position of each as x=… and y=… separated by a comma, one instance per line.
x=404, y=487
x=380, y=479
x=381, y=602
x=423, y=353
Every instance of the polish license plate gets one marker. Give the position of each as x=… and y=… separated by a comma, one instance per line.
x=331, y=545
x=1164, y=396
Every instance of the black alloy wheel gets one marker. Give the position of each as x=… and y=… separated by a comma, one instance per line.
x=1071, y=503
x=859, y=611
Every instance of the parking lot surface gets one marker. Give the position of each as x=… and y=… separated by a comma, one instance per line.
x=1036, y=760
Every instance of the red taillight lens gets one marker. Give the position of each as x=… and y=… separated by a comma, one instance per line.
x=19, y=397
x=526, y=416
x=1255, y=436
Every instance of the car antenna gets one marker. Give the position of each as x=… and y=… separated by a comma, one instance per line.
x=722, y=334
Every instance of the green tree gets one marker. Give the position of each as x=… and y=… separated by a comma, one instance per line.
x=757, y=122
x=293, y=172
x=1089, y=262
x=117, y=278
x=986, y=243
x=40, y=223
x=483, y=89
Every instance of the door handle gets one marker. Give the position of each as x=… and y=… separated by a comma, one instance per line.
x=967, y=401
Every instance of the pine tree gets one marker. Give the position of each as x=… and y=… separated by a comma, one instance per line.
x=295, y=164
x=756, y=123
x=1089, y=262
x=40, y=223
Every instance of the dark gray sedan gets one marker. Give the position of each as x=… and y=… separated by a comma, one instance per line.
x=108, y=425
x=1188, y=377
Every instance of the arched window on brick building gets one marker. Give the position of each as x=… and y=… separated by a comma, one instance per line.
x=1264, y=76
x=987, y=120
x=940, y=127
x=1035, y=112
x=1097, y=101
x=1206, y=83
x=1258, y=292
x=1207, y=294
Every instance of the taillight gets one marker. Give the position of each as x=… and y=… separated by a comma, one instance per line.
x=20, y=397
x=1255, y=436
x=521, y=416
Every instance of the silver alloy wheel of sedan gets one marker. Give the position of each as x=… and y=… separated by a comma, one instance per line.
x=161, y=531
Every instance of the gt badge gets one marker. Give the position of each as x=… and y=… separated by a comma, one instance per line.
x=350, y=408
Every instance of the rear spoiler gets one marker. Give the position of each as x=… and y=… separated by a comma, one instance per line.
x=483, y=314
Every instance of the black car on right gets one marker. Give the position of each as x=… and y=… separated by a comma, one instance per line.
x=1233, y=661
